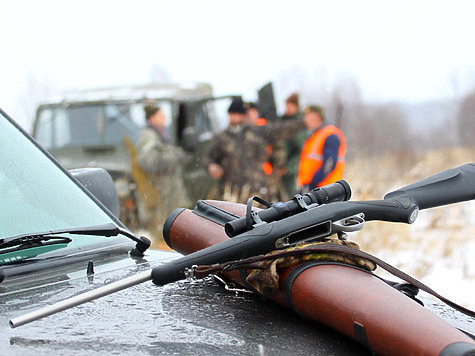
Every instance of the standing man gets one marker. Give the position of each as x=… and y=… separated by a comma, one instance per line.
x=161, y=162
x=236, y=156
x=232, y=157
x=323, y=153
x=254, y=118
x=275, y=162
x=292, y=146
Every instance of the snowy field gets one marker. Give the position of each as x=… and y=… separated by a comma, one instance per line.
x=439, y=247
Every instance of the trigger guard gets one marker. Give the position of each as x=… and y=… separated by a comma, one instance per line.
x=349, y=224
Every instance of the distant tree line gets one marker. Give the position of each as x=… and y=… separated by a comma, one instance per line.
x=373, y=129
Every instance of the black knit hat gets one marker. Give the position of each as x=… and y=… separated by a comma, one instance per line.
x=237, y=106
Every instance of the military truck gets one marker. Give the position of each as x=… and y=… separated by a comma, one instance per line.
x=97, y=128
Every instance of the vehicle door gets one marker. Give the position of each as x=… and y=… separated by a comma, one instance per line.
x=266, y=102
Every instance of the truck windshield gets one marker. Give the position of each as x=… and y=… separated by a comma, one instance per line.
x=36, y=194
x=91, y=124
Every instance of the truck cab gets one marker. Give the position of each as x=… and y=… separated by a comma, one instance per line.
x=91, y=128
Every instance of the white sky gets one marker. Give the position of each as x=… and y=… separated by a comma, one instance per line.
x=404, y=50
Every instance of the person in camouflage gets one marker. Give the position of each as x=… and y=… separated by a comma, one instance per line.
x=236, y=155
x=291, y=147
x=275, y=165
x=162, y=163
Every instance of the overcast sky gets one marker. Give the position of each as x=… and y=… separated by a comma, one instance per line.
x=404, y=50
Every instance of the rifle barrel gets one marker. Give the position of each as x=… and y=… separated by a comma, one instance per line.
x=82, y=298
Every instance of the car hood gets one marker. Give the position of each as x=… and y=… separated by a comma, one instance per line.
x=186, y=317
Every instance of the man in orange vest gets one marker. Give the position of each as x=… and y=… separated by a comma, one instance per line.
x=323, y=153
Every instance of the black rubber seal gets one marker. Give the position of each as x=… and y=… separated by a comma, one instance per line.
x=168, y=225
x=360, y=333
x=458, y=349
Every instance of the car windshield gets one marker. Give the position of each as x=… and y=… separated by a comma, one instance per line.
x=36, y=195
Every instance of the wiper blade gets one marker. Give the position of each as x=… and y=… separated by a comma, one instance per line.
x=109, y=229
x=100, y=230
x=25, y=242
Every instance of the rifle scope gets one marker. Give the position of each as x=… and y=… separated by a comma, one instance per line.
x=338, y=191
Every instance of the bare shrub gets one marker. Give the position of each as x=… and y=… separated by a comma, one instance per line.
x=370, y=129
x=378, y=129
x=466, y=120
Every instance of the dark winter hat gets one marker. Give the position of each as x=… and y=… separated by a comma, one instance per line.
x=294, y=99
x=150, y=110
x=237, y=106
x=316, y=109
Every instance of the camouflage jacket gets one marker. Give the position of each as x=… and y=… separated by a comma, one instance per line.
x=293, y=145
x=163, y=163
x=241, y=152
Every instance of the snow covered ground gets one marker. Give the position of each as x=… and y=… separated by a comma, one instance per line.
x=439, y=247
x=441, y=256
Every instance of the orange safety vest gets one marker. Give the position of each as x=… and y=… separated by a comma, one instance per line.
x=266, y=166
x=261, y=121
x=311, y=157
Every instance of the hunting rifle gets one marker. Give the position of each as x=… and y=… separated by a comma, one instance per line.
x=314, y=216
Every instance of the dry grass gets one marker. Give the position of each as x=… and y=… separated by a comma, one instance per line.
x=371, y=177
x=438, y=233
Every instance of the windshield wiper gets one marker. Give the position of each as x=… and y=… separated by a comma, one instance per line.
x=109, y=229
x=25, y=242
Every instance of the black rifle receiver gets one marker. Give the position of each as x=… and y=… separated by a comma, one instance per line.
x=328, y=194
x=454, y=185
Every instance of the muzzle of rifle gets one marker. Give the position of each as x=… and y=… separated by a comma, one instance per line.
x=338, y=191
